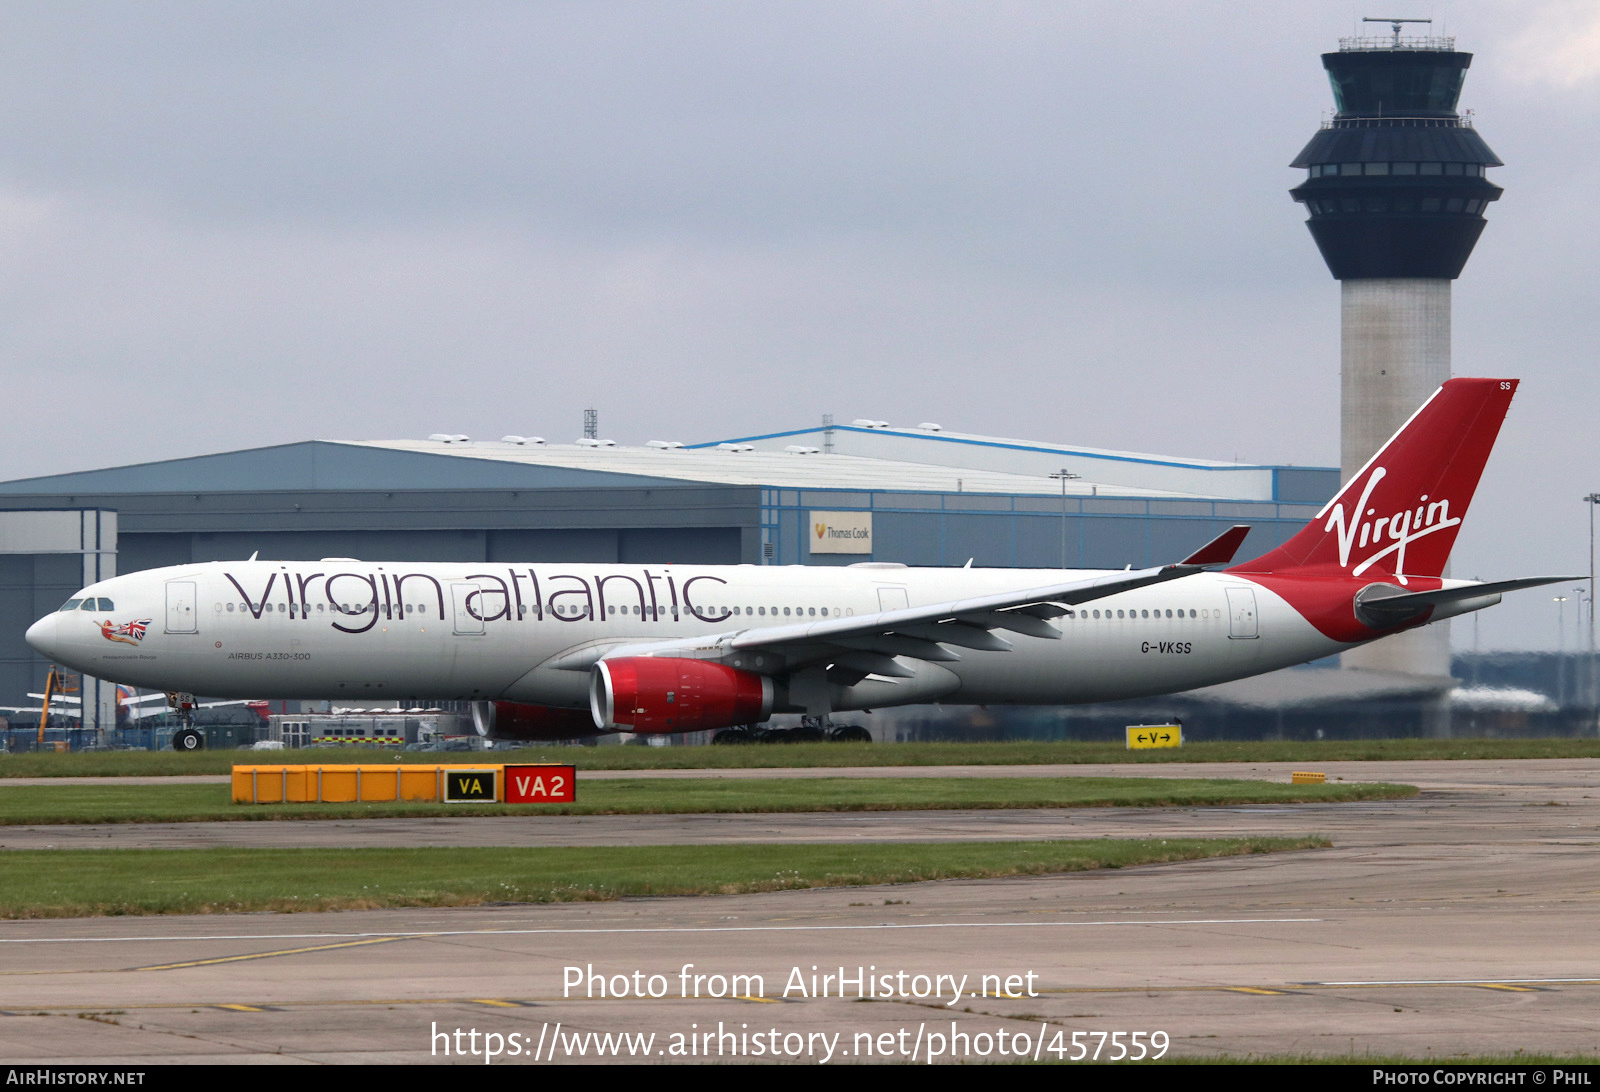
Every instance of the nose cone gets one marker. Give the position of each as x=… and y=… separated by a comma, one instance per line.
x=43, y=639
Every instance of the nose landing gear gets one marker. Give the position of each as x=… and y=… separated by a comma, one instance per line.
x=187, y=737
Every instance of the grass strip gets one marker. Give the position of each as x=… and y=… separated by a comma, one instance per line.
x=768, y=756
x=113, y=803
x=44, y=883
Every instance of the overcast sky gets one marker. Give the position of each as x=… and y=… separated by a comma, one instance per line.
x=225, y=225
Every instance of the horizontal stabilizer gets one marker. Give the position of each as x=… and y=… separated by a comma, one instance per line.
x=1220, y=550
x=1402, y=605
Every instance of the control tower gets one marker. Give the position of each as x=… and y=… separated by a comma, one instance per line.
x=1397, y=189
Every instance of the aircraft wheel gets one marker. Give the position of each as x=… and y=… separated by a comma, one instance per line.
x=188, y=739
x=803, y=734
x=733, y=735
x=850, y=733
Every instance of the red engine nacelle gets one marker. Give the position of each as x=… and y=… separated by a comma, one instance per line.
x=664, y=694
x=534, y=723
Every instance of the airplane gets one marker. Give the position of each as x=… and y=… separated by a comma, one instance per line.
x=566, y=650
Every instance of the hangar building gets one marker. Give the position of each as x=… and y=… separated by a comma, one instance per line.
x=922, y=496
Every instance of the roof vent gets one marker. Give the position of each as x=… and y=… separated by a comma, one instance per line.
x=867, y=422
x=449, y=438
x=802, y=449
x=930, y=426
x=522, y=439
x=589, y=441
x=663, y=445
x=736, y=447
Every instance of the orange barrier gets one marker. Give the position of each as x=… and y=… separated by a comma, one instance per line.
x=402, y=783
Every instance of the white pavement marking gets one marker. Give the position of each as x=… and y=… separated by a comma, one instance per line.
x=1458, y=982
x=663, y=929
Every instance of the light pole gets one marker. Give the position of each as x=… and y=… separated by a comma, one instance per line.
x=1580, y=679
x=1561, y=650
x=1594, y=695
x=1064, y=476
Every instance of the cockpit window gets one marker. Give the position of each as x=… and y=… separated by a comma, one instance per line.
x=88, y=604
x=71, y=604
x=105, y=604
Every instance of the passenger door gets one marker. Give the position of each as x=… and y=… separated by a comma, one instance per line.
x=181, y=615
x=468, y=608
x=1242, y=625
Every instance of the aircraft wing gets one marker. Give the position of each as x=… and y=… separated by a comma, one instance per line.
x=866, y=644
x=1020, y=612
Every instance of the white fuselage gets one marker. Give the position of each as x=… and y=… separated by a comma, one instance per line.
x=348, y=630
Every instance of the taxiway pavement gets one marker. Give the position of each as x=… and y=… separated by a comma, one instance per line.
x=1462, y=921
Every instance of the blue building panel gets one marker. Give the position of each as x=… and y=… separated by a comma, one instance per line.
x=983, y=539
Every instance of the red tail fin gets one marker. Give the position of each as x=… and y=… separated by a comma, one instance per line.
x=1399, y=515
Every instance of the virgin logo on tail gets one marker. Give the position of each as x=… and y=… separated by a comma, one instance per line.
x=1387, y=519
x=1401, y=529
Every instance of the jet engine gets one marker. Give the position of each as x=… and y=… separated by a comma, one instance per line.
x=534, y=723
x=667, y=694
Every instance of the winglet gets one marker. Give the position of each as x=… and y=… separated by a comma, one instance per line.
x=1220, y=550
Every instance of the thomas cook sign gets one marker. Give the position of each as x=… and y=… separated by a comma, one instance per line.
x=841, y=532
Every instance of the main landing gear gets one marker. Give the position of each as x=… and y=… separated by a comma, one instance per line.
x=810, y=730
